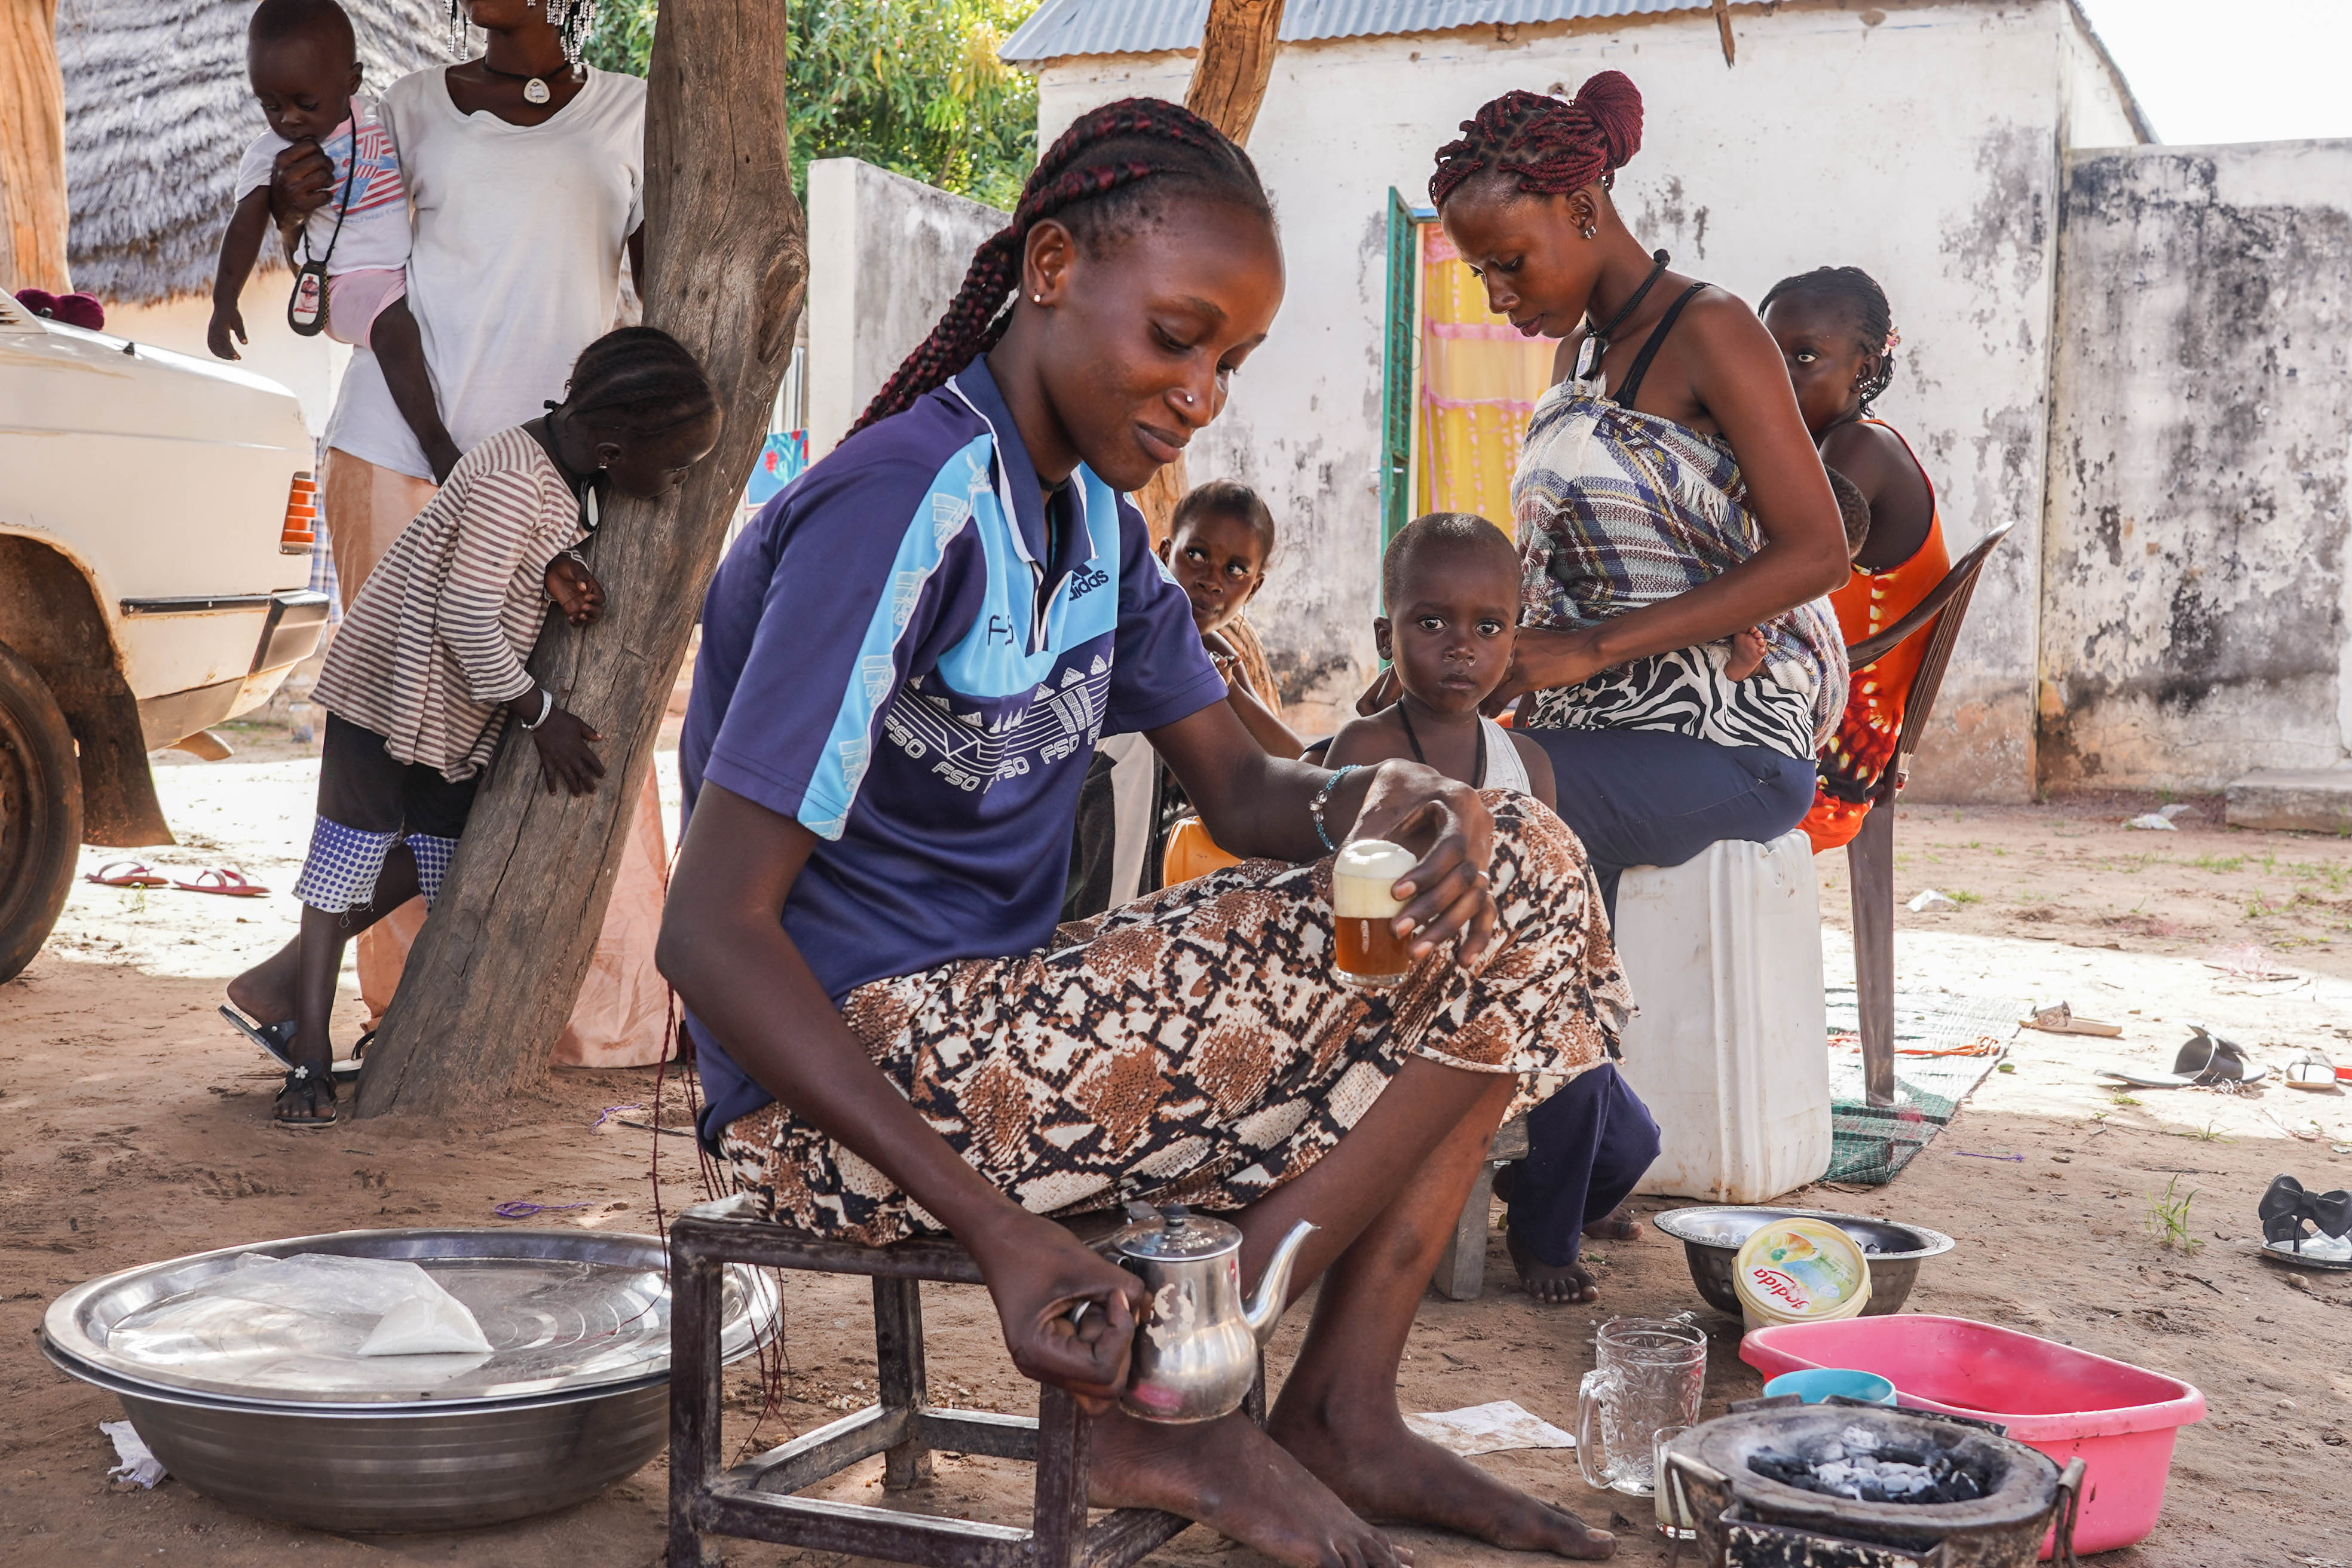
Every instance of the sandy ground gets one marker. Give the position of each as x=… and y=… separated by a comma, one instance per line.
x=131, y=1129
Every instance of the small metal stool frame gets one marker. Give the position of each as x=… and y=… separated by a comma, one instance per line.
x=1460, y=1273
x=755, y=1499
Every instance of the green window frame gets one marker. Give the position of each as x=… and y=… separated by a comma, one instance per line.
x=1398, y=369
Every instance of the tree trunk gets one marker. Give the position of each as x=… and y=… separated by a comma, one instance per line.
x=1236, y=57
x=1228, y=84
x=32, y=149
x=495, y=971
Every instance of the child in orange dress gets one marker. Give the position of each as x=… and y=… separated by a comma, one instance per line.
x=1837, y=333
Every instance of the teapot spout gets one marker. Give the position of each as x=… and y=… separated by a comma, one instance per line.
x=1273, y=1288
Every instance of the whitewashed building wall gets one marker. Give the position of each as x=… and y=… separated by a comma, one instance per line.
x=1923, y=142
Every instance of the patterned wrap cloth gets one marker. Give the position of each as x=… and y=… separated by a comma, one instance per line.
x=1193, y=1048
x=1618, y=510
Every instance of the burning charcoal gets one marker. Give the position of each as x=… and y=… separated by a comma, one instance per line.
x=1852, y=1466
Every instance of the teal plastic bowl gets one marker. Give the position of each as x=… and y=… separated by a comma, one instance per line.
x=1817, y=1383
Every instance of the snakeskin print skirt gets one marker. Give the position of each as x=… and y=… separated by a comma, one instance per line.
x=1193, y=1048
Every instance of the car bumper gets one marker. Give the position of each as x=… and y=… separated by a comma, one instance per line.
x=292, y=624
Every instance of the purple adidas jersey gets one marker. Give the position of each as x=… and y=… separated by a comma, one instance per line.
x=888, y=658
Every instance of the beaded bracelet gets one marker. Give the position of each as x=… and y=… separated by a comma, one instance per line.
x=1323, y=799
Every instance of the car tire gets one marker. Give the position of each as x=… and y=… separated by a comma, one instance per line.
x=40, y=813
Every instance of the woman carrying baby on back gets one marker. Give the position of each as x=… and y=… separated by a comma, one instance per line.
x=1668, y=498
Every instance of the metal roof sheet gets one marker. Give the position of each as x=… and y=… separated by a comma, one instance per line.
x=1144, y=27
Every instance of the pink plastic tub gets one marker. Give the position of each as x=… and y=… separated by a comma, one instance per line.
x=2120, y=1419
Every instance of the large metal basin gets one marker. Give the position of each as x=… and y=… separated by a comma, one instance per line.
x=1712, y=1235
x=573, y=1396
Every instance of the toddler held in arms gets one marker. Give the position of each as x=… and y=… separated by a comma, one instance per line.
x=351, y=259
x=1450, y=582
x=1217, y=547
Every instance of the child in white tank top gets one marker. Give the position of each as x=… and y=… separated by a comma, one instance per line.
x=1450, y=582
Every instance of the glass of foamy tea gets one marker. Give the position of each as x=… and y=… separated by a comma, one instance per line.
x=1362, y=907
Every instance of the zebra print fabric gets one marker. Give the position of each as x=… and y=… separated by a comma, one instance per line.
x=1616, y=509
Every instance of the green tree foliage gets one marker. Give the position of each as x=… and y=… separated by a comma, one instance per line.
x=913, y=85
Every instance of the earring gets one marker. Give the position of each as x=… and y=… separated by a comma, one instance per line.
x=1037, y=299
x=1588, y=231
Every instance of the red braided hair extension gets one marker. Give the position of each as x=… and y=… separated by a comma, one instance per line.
x=1546, y=146
x=1114, y=149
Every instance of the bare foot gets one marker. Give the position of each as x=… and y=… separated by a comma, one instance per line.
x=1747, y=651
x=264, y=993
x=1558, y=1284
x=1383, y=1471
x=1617, y=1224
x=1228, y=1475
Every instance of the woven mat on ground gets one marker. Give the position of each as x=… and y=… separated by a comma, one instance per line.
x=1872, y=1144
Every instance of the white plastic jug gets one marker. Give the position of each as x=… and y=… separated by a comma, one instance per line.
x=1731, y=1049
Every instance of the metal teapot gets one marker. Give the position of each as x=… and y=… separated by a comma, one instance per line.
x=1196, y=1348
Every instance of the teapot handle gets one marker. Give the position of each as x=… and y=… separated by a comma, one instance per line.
x=1588, y=1394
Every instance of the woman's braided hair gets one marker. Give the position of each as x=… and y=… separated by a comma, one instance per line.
x=1102, y=174
x=1873, y=318
x=1544, y=145
x=638, y=382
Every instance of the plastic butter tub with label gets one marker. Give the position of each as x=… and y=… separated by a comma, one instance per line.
x=1798, y=1270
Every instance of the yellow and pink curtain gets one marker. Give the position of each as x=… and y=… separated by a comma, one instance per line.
x=1479, y=381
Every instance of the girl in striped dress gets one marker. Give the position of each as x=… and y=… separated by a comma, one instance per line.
x=429, y=664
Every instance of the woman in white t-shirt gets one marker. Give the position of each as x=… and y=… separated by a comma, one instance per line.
x=525, y=172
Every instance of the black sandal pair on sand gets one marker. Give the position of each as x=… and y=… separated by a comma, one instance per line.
x=2206, y=1061
x=2291, y=1215
x=312, y=1093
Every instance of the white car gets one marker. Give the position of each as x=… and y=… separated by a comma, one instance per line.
x=155, y=519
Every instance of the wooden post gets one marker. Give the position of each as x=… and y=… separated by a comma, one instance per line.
x=493, y=976
x=1228, y=84
x=32, y=149
x=1723, y=29
x=1236, y=59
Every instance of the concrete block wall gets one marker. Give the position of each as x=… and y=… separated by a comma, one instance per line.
x=886, y=255
x=2197, y=617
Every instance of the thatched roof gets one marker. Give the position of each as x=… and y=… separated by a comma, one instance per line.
x=157, y=113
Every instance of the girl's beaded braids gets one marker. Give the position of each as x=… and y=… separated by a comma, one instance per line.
x=1102, y=174
x=575, y=21
x=1544, y=145
x=638, y=382
x=1873, y=318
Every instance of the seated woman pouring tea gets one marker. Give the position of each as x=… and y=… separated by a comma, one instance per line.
x=907, y=661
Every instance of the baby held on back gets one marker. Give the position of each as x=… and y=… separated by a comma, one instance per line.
x=1747, y=655
x=1450, y=582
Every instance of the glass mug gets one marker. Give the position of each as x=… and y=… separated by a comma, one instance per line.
x=1369, y=953
x=1647, y=1372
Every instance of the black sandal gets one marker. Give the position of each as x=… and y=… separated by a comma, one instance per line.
x=2286, y=1208
x=309, y=1087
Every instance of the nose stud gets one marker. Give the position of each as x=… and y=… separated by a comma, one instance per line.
x=1187, y=397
